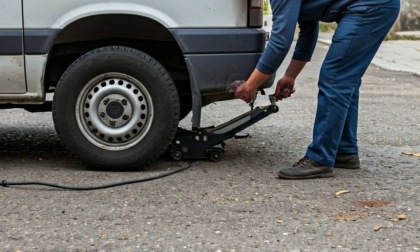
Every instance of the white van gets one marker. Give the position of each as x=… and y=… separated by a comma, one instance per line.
x=123, y=73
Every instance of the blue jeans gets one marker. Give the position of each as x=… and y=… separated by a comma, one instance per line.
x=359, y=34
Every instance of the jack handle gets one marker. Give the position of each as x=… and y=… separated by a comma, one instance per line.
x=272, y=98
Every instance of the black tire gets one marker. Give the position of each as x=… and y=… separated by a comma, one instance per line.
x=116, y=108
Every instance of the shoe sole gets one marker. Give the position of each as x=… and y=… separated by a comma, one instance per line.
x=323, y=175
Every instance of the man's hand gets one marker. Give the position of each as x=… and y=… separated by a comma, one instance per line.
x=285, y=88
x=242, y=91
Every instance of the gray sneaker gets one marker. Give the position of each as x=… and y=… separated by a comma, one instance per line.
x=347, y=161
x=306, y=168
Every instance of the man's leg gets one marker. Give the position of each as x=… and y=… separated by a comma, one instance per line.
x=348, y=142
x=347, y=154
x=356, y=40
x=380, y=25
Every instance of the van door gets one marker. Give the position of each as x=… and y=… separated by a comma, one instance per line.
x=12, y=64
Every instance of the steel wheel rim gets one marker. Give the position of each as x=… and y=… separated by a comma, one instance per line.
x=114, y=111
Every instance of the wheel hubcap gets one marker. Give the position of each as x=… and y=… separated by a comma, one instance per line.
x=114, y=111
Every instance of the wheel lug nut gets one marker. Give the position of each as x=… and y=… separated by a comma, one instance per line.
x=106, y=101
x=112, y=123
x=126, y=117
x=102, y=114
x=124, y=102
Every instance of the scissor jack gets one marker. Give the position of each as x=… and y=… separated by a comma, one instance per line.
x=208, y=143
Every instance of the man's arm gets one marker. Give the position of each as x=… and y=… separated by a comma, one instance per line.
x=306, y=43
x=308, y=37
x=285, y=15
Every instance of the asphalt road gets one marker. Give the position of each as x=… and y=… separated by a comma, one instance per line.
x=237, y=204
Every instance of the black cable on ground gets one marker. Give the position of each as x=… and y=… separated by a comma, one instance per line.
x=5, y=183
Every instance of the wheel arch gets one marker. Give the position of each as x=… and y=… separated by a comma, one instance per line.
x=116, y=29
x=96, y=9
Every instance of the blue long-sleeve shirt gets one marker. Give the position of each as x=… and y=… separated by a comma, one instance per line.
x=307, y=14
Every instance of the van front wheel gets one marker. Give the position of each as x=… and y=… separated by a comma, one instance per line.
x=116, y=108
